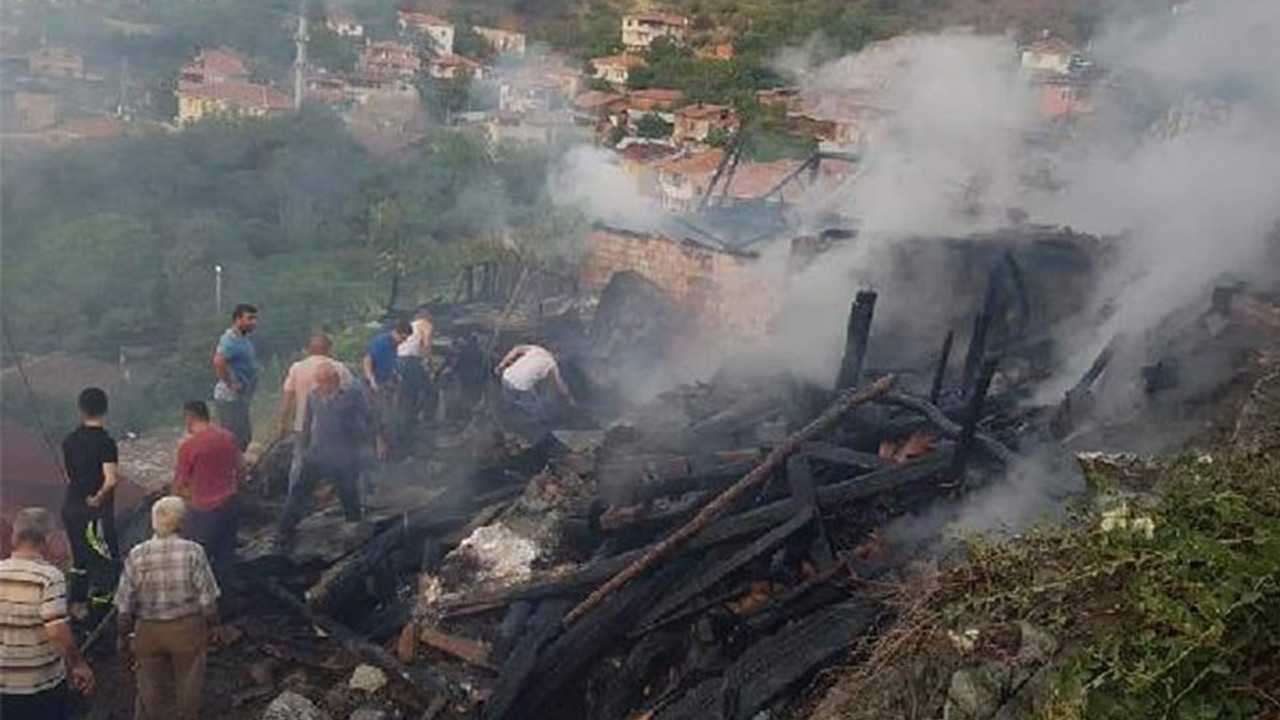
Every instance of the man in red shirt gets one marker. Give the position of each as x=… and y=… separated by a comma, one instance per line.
x=207, y=476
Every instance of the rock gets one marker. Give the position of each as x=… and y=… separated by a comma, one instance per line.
x=367, y=678
x=975, y=693
x=292, y=706
x=1037, y=645
x=365, y=713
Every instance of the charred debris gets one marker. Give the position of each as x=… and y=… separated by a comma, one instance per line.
x=708, y=553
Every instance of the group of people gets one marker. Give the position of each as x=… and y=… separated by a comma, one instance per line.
x=166, y=589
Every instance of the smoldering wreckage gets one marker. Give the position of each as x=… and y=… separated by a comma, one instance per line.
x=705, y=554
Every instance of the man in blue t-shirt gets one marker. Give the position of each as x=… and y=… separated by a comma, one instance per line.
x=236, y=364
x=380, y=359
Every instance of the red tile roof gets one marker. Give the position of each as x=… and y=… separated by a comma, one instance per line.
x=596, y=100
x=706, y=112
x=242, y=94
x=655, y=99
x=645, y=152
x=458, y=61
x=222, y=61
x=702, y=163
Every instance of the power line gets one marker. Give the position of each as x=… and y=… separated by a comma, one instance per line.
x=35, y=400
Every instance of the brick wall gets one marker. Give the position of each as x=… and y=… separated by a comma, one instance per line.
x=720, y=288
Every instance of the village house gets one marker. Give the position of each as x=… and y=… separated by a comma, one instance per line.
x=1049, y=54
x=56, y=62
x=215, y=65
x=344, y=25
x=639, y=31
x=389, y=57
x=658, y=102
x=448, y=67
x=640, y=161
x=544, y=83
x=1064, y=97
x=230, y=99
x=544, y=127
x=599, y=109
x=719, y=287
x=503, y=42
x=438, y=32
x=696, y=123
x=683, y=180
x=345, y=90
x=616, y=69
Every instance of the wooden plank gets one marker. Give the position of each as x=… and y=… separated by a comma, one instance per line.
x=472, y=652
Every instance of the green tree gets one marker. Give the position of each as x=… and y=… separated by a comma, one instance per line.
x=330, y=50
x=652, y=127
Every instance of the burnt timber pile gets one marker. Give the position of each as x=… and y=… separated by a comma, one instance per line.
x=707, y=554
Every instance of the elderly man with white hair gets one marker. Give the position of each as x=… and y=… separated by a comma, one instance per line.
x=168, y=599
x=36, y=645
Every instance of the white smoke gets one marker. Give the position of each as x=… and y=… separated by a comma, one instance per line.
x=590, y=179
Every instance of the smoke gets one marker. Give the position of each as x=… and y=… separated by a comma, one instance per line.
x=590, y=179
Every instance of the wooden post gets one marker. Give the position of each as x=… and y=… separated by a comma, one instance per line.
x=855, y=343
x=965, y=445
x=940, y=372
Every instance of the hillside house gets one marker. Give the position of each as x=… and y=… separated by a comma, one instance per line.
x=543, y=127
x=640, y=160
x=545, y=83
x=1049, y=54
x=344, y=25
x=233, y=99
x=215, y=65
x=448, y=67
x=1064, y=97
x=389, y=57
x=695, y=123
x=683, y=180
x=56, y=62
x=639, y=31
x=436, y=31
x=503, y=42
x=616, y=69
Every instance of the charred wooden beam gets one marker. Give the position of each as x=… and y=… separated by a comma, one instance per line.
x=804, y=492
x=570, y=654
x=375, y=655
x=940, y=372
x=978, y=339
x=964, y=445
x=775, y=664
x=745, y=525
x=730, y=497
x=837, y=455
x=472, y=652
x=764, y=544
x=856, y=338
x=519, y=665
x=948, y=427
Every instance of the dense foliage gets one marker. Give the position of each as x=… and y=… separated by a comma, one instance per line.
x=115, y=244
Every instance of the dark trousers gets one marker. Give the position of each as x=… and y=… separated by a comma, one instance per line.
x=215, y=530
x=410, y=401
x=345, y=478
x=94, y=551
x=233, y=416
x=51, y=704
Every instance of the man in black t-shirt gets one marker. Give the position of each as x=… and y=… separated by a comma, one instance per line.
x=91, y=460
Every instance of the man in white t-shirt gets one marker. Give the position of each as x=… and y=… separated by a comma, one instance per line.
x=302, y=378
x=525, y=370
x=412, y=355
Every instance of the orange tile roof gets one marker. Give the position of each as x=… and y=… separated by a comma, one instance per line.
x=706, y=112
x=645, y=152
x=655, y=99
x=596, y=100
x=223, y=61
x=242, y=94
x=702, y=163
x=456, y=61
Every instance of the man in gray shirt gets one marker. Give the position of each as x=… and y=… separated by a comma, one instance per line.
x=339, y=422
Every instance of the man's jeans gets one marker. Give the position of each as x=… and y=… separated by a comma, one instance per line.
x=233, y=416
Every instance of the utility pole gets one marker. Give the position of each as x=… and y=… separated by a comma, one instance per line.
x=300, y=57
x=217, y=289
